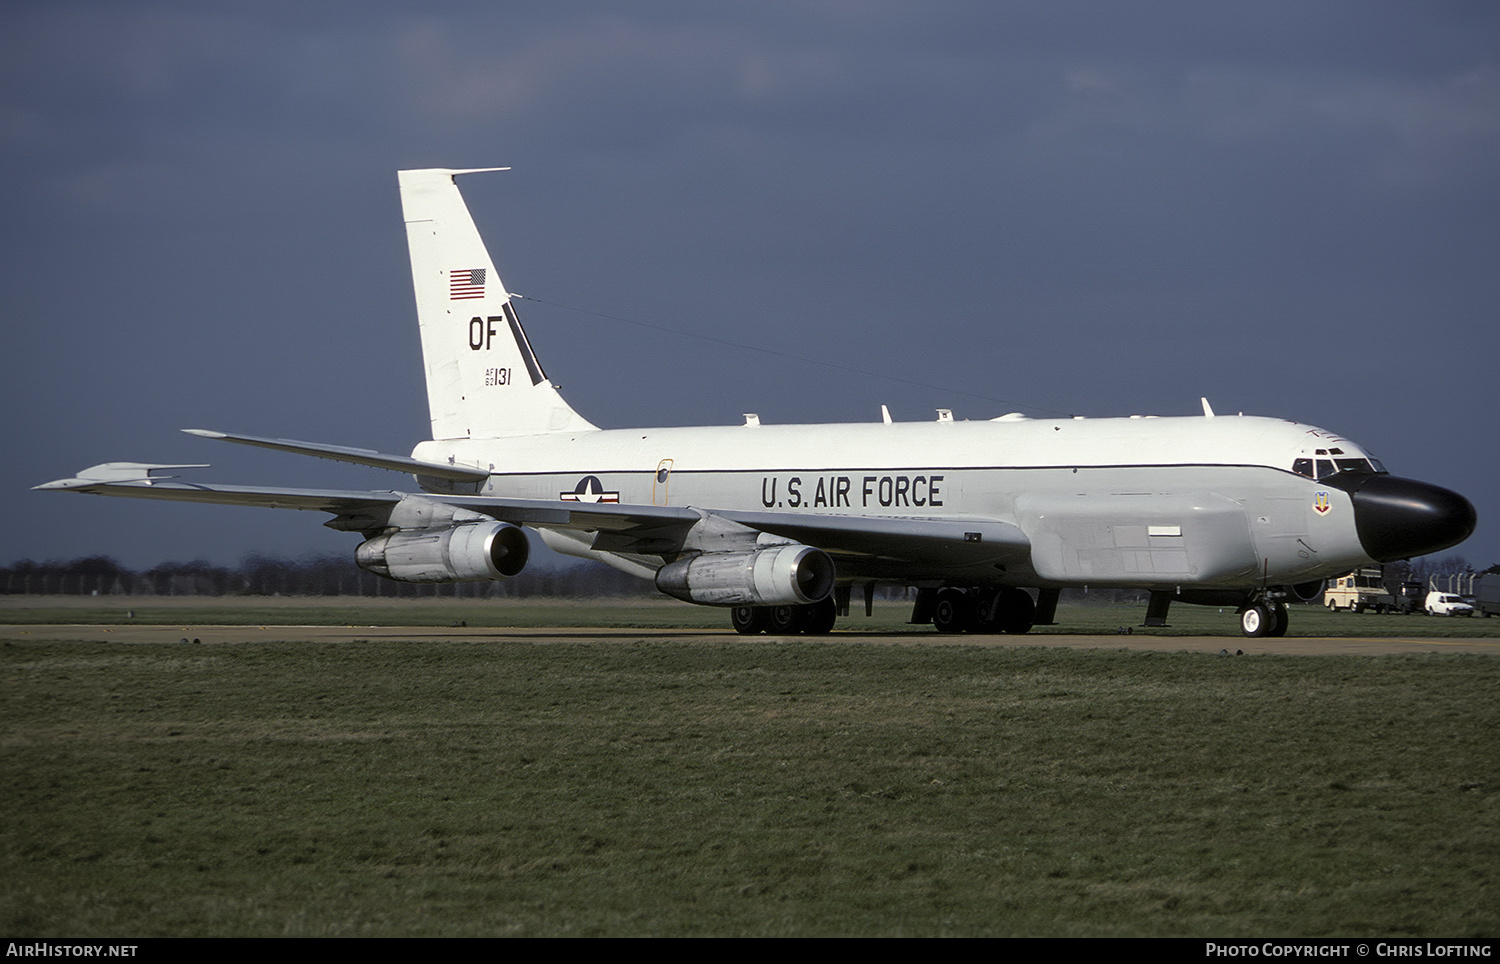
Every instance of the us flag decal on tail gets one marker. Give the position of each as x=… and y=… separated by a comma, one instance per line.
x=466, y=283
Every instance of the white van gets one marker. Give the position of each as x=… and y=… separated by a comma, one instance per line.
x=1447, y=604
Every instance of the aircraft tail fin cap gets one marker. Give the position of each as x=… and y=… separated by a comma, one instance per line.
x=483, y=379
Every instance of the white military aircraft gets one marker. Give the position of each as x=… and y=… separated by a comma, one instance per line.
x=779, y=523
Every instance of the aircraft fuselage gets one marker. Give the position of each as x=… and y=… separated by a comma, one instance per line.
x=1143, y=502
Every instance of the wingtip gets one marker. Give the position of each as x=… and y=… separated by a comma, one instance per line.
x=57, y=484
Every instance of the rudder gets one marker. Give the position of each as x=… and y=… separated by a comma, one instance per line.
x=483, y=379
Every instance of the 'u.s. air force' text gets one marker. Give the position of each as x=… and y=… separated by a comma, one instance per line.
x=847, y=491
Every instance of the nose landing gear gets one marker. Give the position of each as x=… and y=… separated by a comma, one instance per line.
x=1263, y=617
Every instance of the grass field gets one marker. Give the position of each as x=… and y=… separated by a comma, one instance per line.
x=755, y=787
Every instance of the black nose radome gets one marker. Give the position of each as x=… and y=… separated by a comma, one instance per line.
x=1400, y=518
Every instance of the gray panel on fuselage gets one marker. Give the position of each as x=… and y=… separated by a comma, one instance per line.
x=1195, y=537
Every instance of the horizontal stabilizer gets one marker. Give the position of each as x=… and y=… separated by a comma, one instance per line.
x=343, y=453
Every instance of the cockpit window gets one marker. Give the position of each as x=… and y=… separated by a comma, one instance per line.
x=1323, y=468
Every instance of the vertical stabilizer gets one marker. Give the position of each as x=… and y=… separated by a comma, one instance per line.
x=483, y=380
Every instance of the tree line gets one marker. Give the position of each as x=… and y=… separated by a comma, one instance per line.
x=320, y=575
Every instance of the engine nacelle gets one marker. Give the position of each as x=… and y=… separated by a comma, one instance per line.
x=1307, y=591
x=473, y=552
x=788, y=575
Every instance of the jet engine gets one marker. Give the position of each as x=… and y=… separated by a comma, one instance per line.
x=786, y=575
x=1306, y=591
x=473, y=552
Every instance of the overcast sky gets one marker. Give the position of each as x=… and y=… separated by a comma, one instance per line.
x=1054, y=208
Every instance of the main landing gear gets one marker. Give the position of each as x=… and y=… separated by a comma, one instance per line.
x=952, y=609
x=978, y=610
x=814, y=619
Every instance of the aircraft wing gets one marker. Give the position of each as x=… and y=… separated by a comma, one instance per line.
x=863, y=545
x=144, y=480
